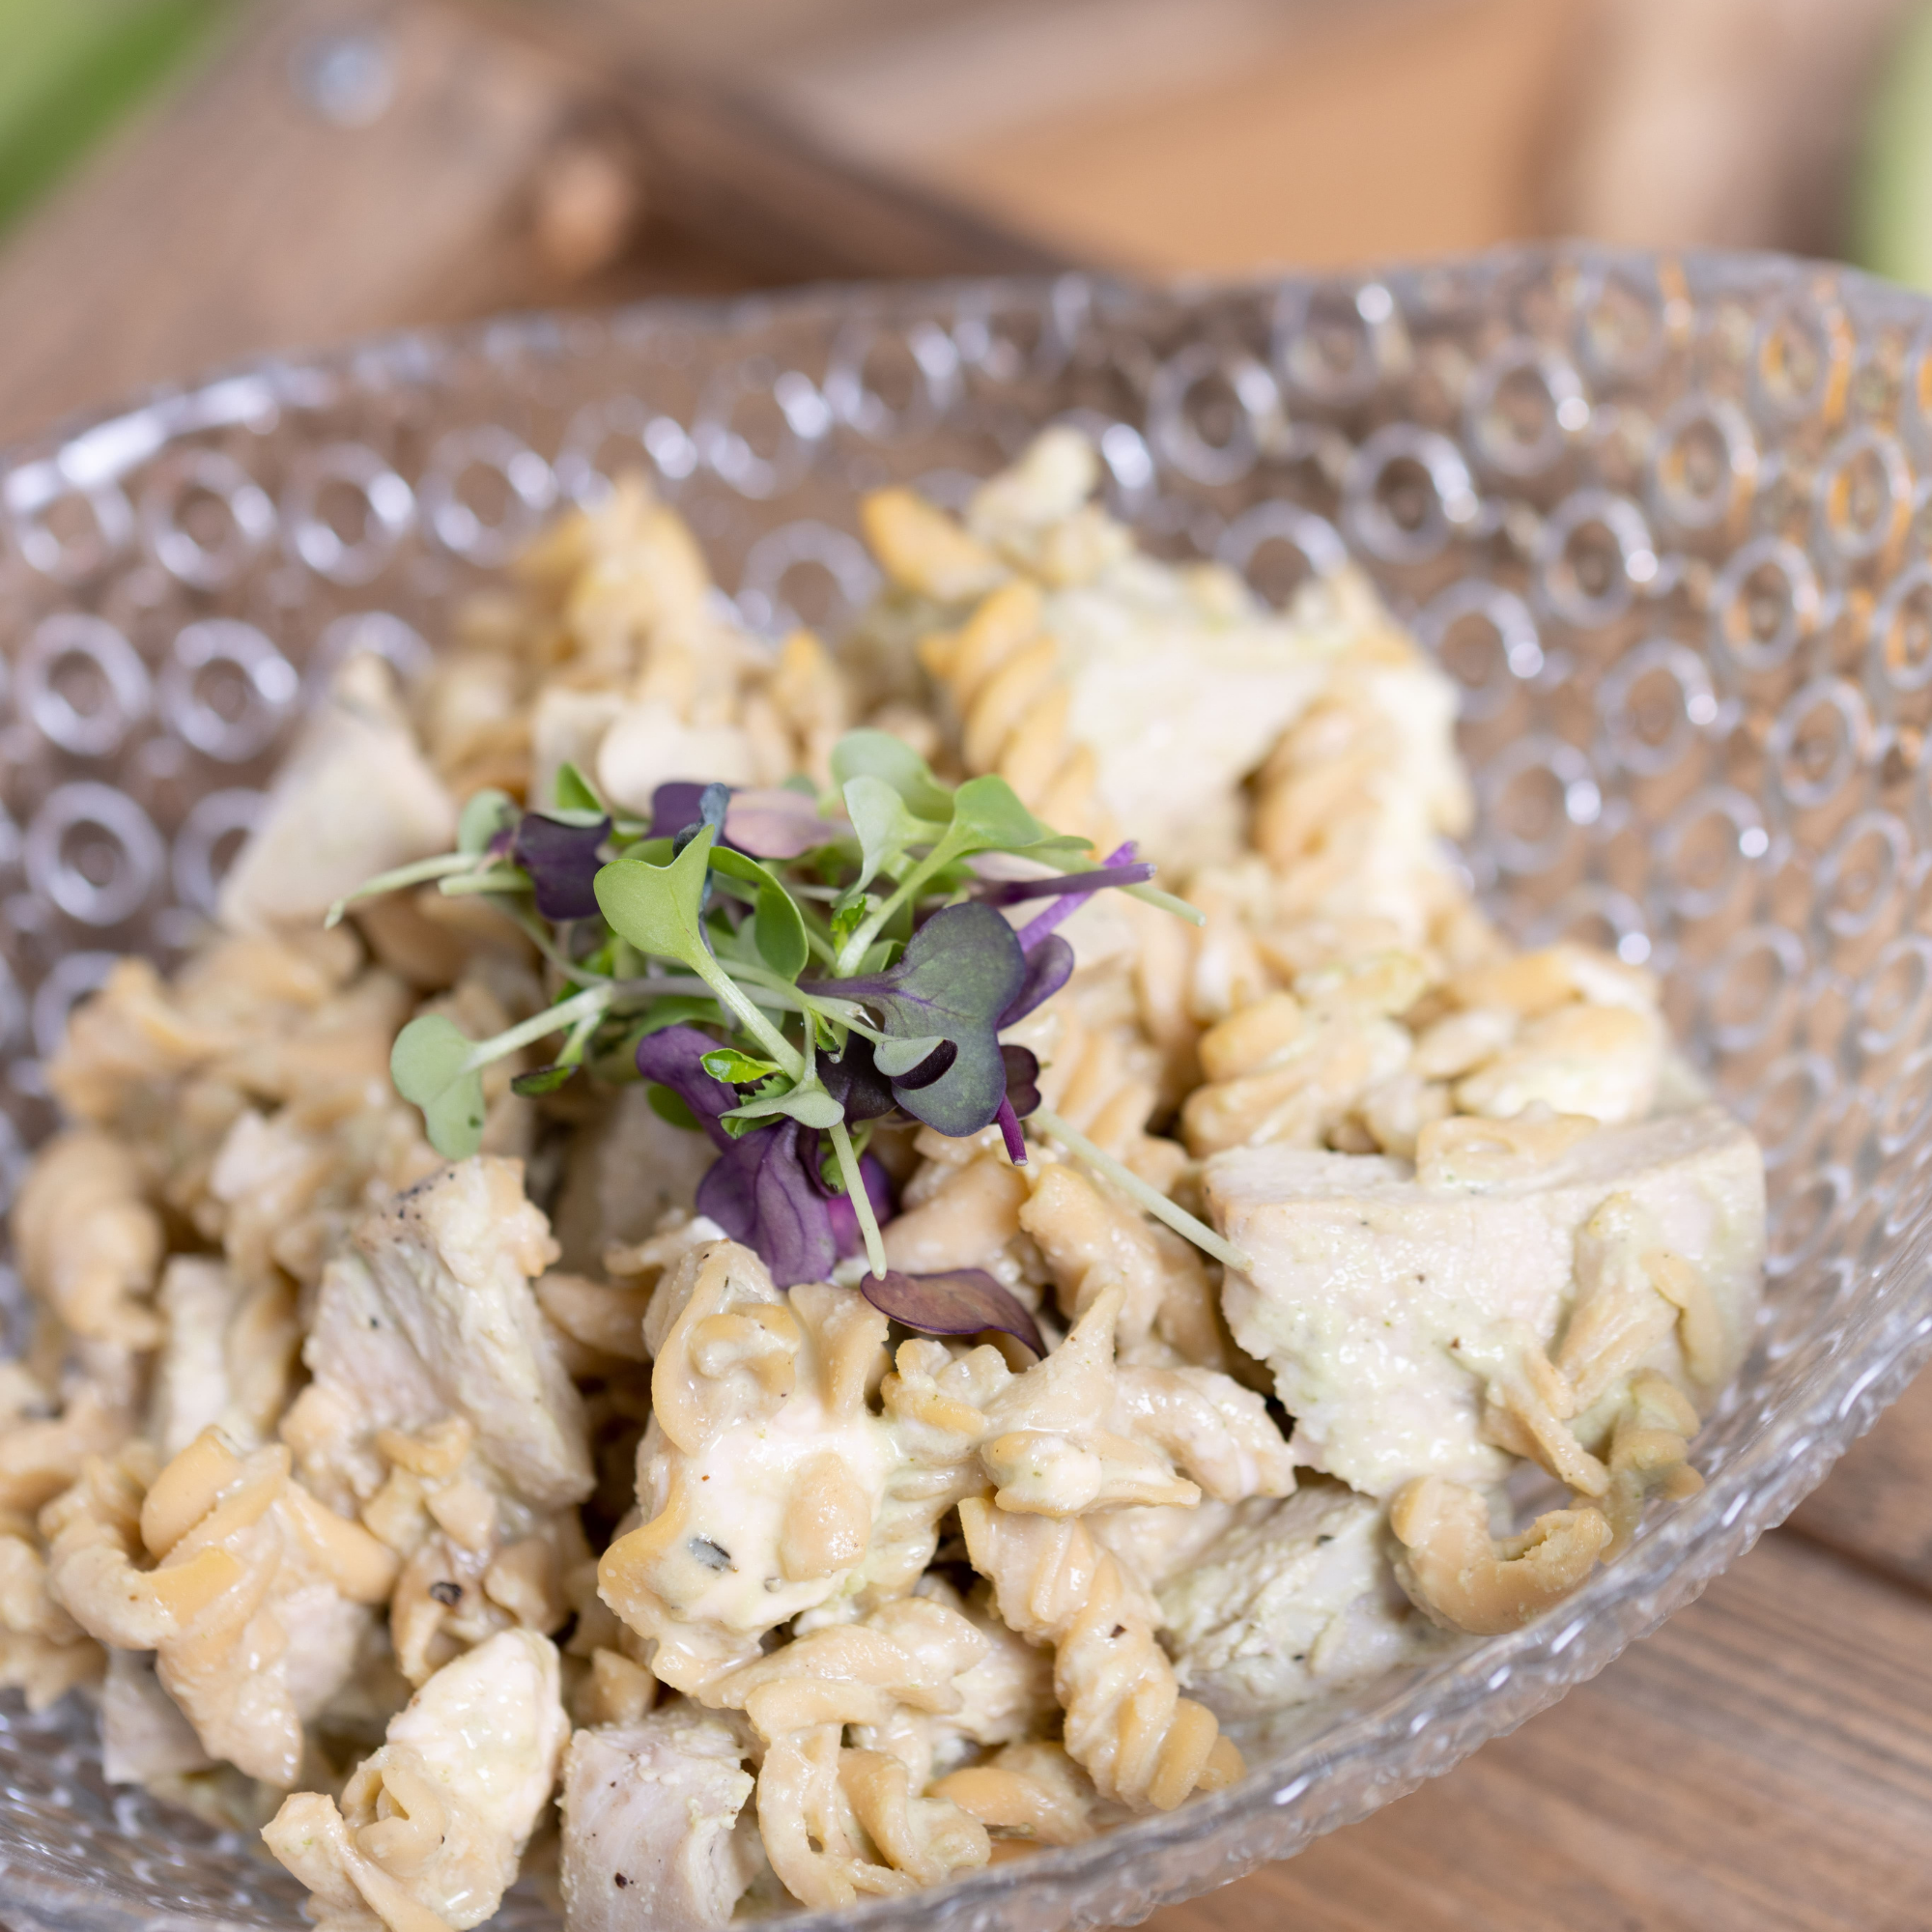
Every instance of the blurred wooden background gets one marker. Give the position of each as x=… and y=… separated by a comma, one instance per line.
x=324, y=167
x=315, y=168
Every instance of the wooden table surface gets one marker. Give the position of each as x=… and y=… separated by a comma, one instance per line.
x=1763, y=1762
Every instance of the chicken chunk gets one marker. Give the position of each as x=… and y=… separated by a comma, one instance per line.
x=1296, y=1599
x=656, y=1833
x=143, y=1734
x=430, y=1315
x=355, y=798
x=227, y=1358
x=1391, y=1302
x=431, y=1828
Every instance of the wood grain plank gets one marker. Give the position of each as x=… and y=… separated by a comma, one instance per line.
x=1876, y=1506
x=1762, y=1764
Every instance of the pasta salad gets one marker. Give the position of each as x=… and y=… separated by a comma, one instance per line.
x=754, y=1274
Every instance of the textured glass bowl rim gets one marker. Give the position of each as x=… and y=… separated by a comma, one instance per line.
x=1427, y=1720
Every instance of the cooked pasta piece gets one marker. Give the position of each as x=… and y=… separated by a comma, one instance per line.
x=1127, y=1725
x=842, y=1823
x=256, y=1602
x=90, y=1244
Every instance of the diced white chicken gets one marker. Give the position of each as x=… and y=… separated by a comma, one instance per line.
x=143, y=1734
x=227, y=1357
x=1382, y=1300
x=626, y=1169
x=431, y=1313
x=1181, y=699
x=648, y=745
x=431, y=1828
x=355, y=798
x=567, y=728
x=1298, y=1599
x=656, y=1833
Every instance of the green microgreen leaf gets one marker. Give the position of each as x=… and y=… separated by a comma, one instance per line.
x=878, y=755
x=545, y=1080
x=735, y=1068
x=886, y=828
x=659, y=910
x=431, y=1066
x=846, y=919
x=668, y=1106
x=485, y=813
x=958, y=974
x=987, y=816
x=778, y=926
x=807, y=1103
x=574, y=792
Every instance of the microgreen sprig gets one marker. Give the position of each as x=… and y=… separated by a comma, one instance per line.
x=785, y=971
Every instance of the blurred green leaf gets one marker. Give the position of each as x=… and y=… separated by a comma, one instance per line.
x=72, y=70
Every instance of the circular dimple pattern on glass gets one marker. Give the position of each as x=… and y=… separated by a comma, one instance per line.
x=1657, y=532
x=227, y=690
x=81, y=685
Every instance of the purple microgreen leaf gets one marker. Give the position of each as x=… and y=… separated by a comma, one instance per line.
x=760, y=1192
x=1041, y=924
x=847, y=1235
x=965, y=1302
x=562, y=863
x=678, y=804
x=674, y=1058
x=960, y=970
x=856, y=1083
x=775, y=823
x=1010, y=1133
x=1022, y=1080
x=897, y=1058
x=1048, y=968
x=1018, y=891
x=928, y=1068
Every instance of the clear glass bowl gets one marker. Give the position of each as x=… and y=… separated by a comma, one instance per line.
x=1663, y=518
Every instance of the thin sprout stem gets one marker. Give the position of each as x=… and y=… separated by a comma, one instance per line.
x=862, y=1202
x=438, y=867
x=854, y=948
x=1151, y=1198
x=736, y=1000
x=487, y=882
x=552, y=1019
x=532, y=929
